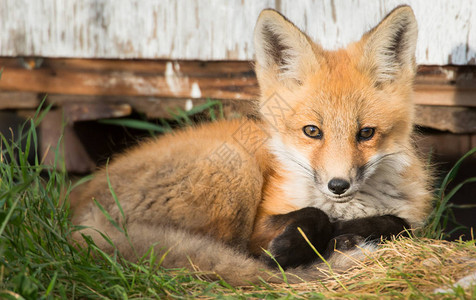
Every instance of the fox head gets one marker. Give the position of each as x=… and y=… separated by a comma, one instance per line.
x=336, y=116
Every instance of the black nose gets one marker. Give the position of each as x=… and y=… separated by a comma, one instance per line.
x=338, y=186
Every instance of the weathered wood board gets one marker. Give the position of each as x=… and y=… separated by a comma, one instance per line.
x=450, y=86
x=89, y=89
x=218, y=30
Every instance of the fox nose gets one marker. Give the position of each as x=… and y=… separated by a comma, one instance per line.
x=338, y=186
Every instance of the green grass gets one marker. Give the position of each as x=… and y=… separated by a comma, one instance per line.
x=38, y=259
x=210, y=110
x=442, y=214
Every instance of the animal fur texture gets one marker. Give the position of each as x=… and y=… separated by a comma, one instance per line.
x=331, y=154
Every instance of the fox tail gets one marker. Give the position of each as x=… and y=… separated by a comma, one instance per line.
x=210, y=258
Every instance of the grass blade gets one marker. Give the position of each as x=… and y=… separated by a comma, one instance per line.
x=135, y=124
x=281, y=270
x=113, y=193
x=51, y=285
x=441, y=213
x=452, y=173
x=322, y=258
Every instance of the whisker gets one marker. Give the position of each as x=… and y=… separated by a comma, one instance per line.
x=308, y=171
x=373, y=163
x=369, y=167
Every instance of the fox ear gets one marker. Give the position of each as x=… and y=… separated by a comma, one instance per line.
x=389, y=48
x=283, y=52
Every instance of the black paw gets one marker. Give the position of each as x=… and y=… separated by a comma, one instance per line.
x=342, y=243
x=290, y=249
x=372, y=227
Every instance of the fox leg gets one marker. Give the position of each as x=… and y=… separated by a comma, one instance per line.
x=371, y=227
x=290, y=249
x=348, y=234
x=286, y=244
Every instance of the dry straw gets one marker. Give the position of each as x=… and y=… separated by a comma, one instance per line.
x=404, y=268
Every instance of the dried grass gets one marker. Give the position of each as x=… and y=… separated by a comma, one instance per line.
x=402, y=268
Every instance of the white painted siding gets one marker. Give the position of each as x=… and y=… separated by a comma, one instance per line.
x=217, y=29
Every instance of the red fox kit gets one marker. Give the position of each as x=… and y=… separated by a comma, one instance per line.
x=331, y=154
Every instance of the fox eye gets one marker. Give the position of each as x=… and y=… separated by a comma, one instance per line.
x=312, y=131
x=366, y=133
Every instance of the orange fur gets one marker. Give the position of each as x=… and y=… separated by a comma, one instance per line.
x=217, y=184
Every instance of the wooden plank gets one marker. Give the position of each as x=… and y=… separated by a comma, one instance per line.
x=443, y=146
x=435, y=85
x=190, y=79
x=75, y=155
x=445, y=95
x=151, y=107
x=452, y=119
x=461, y=76
x=217, y=30
x=446, y=86
x=74, y=112
x=18, y=100
x=473, y=141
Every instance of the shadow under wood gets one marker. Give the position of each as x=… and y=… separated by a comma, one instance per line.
x=444, y=149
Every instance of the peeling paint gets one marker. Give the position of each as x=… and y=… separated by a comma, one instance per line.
x=174, y=79
x=195, y=93
x=188, y=104
x=124, y=110
x=141, y=86
x=209, y=30
x=128, y=79
x=450, y=74
x=101, y=82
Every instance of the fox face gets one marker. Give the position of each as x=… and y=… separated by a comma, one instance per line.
x=351, y=112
